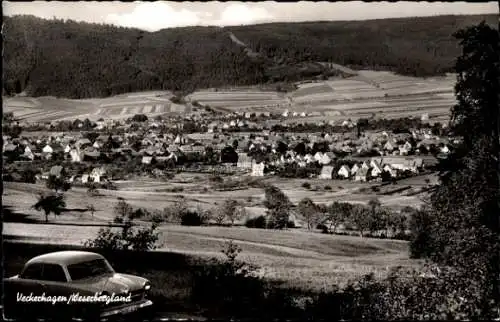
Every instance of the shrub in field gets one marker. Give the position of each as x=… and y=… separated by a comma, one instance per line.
x=233, y=290
x=139, y=118
x=58, y=184
x=129, y=237
x=192, y=218
x=256, y=222
x=306, y=185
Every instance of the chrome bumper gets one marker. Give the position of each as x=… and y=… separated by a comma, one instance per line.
x=126, y=309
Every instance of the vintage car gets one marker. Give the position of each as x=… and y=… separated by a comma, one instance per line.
x=74, y=285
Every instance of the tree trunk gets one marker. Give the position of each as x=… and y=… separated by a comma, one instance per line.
x=46, y=216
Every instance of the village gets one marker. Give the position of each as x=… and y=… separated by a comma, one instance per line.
x=233, y=145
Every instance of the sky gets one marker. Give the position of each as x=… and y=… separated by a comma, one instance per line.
x=153, y=16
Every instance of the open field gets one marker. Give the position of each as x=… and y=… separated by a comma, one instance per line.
x=297, y=257
x=198, y=191
x=370, y=93
x=239, y=100
x=46, y=109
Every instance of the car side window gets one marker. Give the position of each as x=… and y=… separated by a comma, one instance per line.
x=54, y=273
x=33, y=272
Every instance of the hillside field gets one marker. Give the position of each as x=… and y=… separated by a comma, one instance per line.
x=380, y=94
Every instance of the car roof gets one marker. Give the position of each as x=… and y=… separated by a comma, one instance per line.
x=67, y=257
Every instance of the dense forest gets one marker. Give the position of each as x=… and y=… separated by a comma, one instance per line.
x=71, y=59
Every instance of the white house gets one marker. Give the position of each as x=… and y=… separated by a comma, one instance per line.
x=146, y=160
x=309, y=158
x=318, y=156
x=325, y=159
x=67, y=149
x=326, y=173
x=98, y=174
x=388, y=146
x=355, y=169
x=376, y=169
x=258, y=169
x=344, y=171
x=444, y=149
x=76, y=155
x=85, y=178
x=361, y=175
x=47, y=149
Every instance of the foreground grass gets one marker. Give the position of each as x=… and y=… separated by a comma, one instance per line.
x=299, y=259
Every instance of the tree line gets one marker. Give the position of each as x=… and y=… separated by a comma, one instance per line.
x=72, y=59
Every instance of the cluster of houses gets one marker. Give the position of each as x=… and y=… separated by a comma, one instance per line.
x=97, y=175
x=373, y=169
x=362, y=171
x=151, y=144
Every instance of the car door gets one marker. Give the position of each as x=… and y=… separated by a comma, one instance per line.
x=54, y=280
x=55, y=284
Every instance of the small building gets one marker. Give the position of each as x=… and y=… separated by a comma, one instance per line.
x=355, y=169
x=361, y=175
x=47, y=149
x=344, y=171
x=76, y=155
x=56, y=171
x=326, y=173
x=98, y=174
x=244, y=161
x=389, y=147
x=258, y=169
x=147, y=159
x=376, y=169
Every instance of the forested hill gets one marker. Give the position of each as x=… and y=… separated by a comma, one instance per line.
x=81, y=60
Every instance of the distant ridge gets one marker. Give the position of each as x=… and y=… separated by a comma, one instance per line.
x=82, y=60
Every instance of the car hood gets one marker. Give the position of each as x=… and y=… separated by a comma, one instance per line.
x=113, y=283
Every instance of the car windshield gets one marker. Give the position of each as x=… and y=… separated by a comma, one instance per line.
x=88, y=269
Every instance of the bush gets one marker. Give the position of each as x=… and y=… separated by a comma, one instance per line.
x=192, y=218
x=216, y=178
x=421, y=234
x=256, y=222
x=139, y=118
x=432, y=293
x=328, y=188
x=129, y=238
x=306, y=185
x=233, y=289
x=324, y=229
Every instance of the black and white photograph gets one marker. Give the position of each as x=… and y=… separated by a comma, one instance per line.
x=239, y=161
